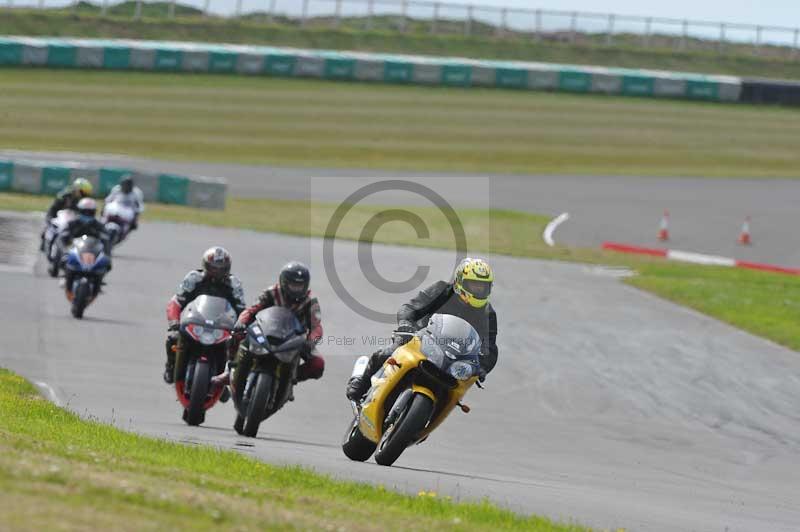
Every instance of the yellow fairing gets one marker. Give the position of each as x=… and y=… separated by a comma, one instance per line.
x=408, y=357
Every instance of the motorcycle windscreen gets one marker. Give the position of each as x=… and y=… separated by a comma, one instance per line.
x=87, y=244
x=449, y=338
x=211, y=311
x=278, y=323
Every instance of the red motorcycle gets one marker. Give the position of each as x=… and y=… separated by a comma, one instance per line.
x=205, y=328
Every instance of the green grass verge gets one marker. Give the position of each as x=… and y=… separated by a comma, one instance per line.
x=58, y=471
x=627, y=52
x=762, y=303
x=322, y=124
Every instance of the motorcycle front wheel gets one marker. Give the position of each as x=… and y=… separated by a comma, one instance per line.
x=355, y=445
x=402, y=432
x=81, y=298
x=257, y=404
x=196, y=414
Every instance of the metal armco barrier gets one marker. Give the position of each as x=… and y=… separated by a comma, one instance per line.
x=289, y=62
x=36, y=177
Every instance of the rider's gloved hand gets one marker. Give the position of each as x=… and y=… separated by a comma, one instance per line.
x=172, y=326
x=239, y=330
x=405, y=327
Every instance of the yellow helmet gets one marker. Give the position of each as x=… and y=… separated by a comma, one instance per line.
x=83, y=186
x=472, y=281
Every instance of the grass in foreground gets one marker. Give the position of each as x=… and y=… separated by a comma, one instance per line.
x=762, y=303
x=322, y=124
x=58, y=471
x=626, y=52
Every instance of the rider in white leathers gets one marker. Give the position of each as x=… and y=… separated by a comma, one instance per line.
x=129, y=194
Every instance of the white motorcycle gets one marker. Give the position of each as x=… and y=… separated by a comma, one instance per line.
x=118, y=217
x=54, y=227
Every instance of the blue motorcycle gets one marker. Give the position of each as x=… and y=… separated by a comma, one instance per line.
x=85, y=265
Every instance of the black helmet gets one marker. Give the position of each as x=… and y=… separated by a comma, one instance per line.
x=217, y=263
x=294, y=280
x=126, y=184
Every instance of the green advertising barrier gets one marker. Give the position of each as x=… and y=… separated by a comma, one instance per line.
x=54, y=178
x=511, y=78
x=457, y=75
x=280, y=64
x=222, y=62
x=10, y=53
x=638, y=86
x=61, y=56
x=574, y=81
x=702, y=90
x=109, y=177
x=173, y=189
x=448, y=71
x=340, y=68
x=167, y=59
x=397, y=72
x=116, y=57
x=6, y=175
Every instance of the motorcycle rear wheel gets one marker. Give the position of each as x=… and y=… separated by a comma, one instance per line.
x=196, y=414
x=402, y=433
x=257, y=405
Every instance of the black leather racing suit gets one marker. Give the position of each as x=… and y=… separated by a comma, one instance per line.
x=197, y=283
x=439, y=298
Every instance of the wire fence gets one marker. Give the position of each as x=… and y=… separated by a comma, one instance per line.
x=443, y=18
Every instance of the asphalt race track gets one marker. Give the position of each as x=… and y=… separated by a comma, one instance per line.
x=706, y=214
x=608, y=406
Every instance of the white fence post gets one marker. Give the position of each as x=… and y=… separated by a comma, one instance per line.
x=648, y=28
x=435, y=17
x=337, y=17
x=573, y=27
x=758, y=39
x=538, y=28
x=171, y=12
x=271, y=13
x=503, y=27
x=468, y=22
x=796, y=41
x=370, y=13
x=721, y=44
x=685, y=35
x=404, y=16
x=137, y=14
x=304, y=14
x=610, y=34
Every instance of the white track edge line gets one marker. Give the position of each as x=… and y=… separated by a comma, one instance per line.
x=49, y=391
x=552, y=226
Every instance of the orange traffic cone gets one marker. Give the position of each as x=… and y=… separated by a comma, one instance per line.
x=663, y=231
x=744, y=236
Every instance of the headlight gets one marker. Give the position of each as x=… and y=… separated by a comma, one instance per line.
x=286, y=356
x=432, y=352
x=256, y=348
x=461, y=370
x=207, y=337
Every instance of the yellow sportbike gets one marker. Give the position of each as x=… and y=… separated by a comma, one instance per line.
x=415, y=390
